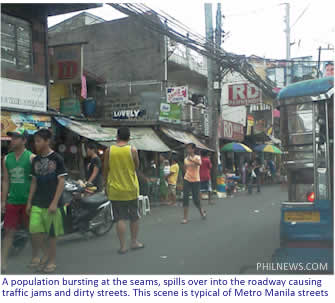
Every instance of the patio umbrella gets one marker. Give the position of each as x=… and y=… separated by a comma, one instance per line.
x=236, y=148
x=267, y=148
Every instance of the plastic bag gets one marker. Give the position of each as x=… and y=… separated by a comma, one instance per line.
x=253, y=174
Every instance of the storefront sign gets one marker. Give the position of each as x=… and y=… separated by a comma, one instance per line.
x=127, y=114
x=32, y=123
x=231, y=131
x=170, y=113
x=178, y=94
x=67, y=63
x=23, y=95
x=243, y=94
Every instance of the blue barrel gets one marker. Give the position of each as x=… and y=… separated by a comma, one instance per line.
x=89, y=107
x=221, y=188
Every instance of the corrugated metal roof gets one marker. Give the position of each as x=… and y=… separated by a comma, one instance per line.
x=143, y=138
x=184, y=137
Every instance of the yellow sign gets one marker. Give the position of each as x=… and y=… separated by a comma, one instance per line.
x=302, y=216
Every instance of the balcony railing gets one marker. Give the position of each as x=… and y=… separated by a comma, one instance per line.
x=194, y=63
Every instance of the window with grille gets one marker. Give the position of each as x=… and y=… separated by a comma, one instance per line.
x=16, y=44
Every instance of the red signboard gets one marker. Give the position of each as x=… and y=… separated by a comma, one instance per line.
x=231, y=131
x=243, y=94
x=66, y=63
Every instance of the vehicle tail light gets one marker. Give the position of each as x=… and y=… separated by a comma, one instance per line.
x=311, y=197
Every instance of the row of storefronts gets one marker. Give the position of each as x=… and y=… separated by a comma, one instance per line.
x=56, y=90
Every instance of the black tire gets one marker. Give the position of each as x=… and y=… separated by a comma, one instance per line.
x=19, y=243
x=108, y=223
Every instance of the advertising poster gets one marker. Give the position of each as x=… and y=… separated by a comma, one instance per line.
x=32, y=123
x=170, y=113
x=177, y=94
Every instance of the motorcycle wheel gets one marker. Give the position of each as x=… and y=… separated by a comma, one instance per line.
x=104, y=228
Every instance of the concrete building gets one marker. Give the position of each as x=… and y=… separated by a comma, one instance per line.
x=24, y=63
x=137, y=64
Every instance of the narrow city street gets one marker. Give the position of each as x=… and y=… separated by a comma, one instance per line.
x=238, y=233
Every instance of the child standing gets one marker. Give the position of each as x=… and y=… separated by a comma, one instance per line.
x=45, y=199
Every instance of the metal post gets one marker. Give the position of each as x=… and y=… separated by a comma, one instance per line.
x=329, y=185
x=288, y=32
x=319, y=62
x=288, y=40
x=165, y=55
x=315, y=158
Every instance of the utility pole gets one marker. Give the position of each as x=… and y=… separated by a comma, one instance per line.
x=288, y=39
x=288, y=32
x=214, y=96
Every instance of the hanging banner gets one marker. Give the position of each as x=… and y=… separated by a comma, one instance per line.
x=178, y=94
x=170, y=113
x=32, y=123
x=243, y=94
x=83, y=87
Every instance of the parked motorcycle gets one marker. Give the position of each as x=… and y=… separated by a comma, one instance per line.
x=84, y=210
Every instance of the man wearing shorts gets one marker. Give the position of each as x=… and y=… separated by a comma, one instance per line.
x=15, y=189
x=122, y=187
x=45, y=201
x=172, y=180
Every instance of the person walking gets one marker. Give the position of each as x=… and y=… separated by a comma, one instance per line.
x=15, y=189
x=192, y=165
x=122, y=187
x=172, y=180
x=205, y=175
x=45, y=202
x=272, y=168
x=94, y=168
x=257, y=170
x=245, y=174
x=164, y=170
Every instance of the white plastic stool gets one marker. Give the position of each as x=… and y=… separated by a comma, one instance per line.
x=143, y=205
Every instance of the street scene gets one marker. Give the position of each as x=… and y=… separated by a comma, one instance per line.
x=133, y=144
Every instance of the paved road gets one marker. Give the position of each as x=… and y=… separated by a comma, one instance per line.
x=238, y=233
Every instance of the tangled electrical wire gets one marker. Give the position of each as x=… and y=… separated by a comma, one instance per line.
x=167, y=25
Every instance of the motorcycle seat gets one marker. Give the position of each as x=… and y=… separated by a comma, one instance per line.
x=94, y=200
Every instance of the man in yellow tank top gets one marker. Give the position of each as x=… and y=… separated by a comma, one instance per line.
x=122, y=187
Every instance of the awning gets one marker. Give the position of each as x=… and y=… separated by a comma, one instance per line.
x=89, y=130
x=184, y=137
x=10, y=121
x=143, y=138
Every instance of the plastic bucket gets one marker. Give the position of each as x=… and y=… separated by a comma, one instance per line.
x=89, y=107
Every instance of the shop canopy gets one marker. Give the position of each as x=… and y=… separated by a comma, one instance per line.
x=142, y=138
x=184, y=137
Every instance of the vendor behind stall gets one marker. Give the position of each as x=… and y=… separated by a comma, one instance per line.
x=94, y=168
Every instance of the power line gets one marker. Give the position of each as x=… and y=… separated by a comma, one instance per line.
x=301, y=15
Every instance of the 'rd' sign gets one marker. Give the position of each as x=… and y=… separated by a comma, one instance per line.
x=244, y=94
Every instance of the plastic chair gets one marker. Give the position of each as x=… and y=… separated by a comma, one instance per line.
x=143, y=205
